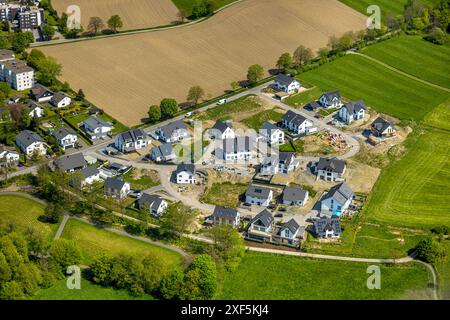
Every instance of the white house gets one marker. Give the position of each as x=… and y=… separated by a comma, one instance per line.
x=173, y=132
x=17, y=74
x=271, y=134
x=352, y=111
x=153, y=203
x=185, y=174
x=162, y=153
x=71, y=162
x=261, y=227
x=238, y=148
x=8, y=155
x=30, y=143
x=65, y=138
x=289, y=233
x=382, y=128
x=284, y=162
x=295, y=196
x=258, y=196
x=96, y=128
x=331, y=99
x=116, y=188
x=327, y=227
x=225, y=216
x=222, y=130
x=336, y=200
x=131, y=141
x=41, y=94
x=298, y=124
x=287, y=84
x=35, y=110
x=89, y=176
x=330, y=169
x=60, y=100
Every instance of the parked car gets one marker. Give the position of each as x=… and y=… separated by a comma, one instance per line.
x=221, y=101
x=187, y=115
x=279, y=215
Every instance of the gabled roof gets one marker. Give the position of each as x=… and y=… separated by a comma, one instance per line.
x=286, y=157
x=58, y=97
x=163, y=150
x=333, y=165
x=33, y=105
x=190, y=168
x=327, y=224
x=269, y=128
x=284, y=79
x=313, y=105
x=89, y=171
x=132, y=135
x=340, y=192
x=270, y=161
x=39, y=91
x=61, y=133
x=222, y=212
x=169, y=128
x=97, y=123
x=71, y=162
x=222, y=126
x=292, y=225
x=152, y=200
x=381, y=125
x=237, y=145
x=265, y=217
x=294, y=194
x=114, y=183
x=294, y=118
x=355, y=106
x=332, y=95
x=258, y=192
x=27, y=138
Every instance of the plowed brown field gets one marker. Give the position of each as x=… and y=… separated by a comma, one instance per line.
x=135, y=14
x=124, y=75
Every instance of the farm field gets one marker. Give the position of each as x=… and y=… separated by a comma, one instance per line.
x=95, y=242
x=124, y=75
x=297, y=278
x=25, y=213
x=382, y=89
x=404, y=52
x=135, y=14
x=88, y=291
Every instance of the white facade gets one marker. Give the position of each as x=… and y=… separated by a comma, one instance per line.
x=17, y=74
x=36, y=112
x=330, y=102
x=291, y=88
x=64, y=102
x=160, y=210
x=348, y=117
x=305, y=128
x=185, y=177
x=264, y=202
x=68, y=141
x=9, y=156
x=35, y=147
x=273, y=137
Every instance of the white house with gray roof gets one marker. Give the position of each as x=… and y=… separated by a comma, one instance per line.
x=96, y=128
x=298, y=124
x=185, y=174
x=327, y=227
x=287, y=84
x=116, y=188
x=132, y=140
x=236, y=149
x=283, y=162
x=71, y=163
x=330, y=169
x=65, y=138
x=382, y=128
x=155, y=204
x=29, y=142
x=89, y=175
x=173, y=132
x=293, y=196
x=336, y=200
x=259, y=196
x=17, y=74
x=162, y=153
x=289, y=233
x=225, y=216
x=271, y=134
x=41, y=93
x=331, y=99
x=222, y=130
x=261, y=227
x=8, y=156
x=35, y=110
x=352, y=111
x=60, y=100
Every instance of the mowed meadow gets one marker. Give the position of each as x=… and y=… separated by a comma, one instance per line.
x=125, y=75
x=135, y=14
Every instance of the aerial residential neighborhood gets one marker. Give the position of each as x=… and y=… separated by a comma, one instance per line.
x=158, y=148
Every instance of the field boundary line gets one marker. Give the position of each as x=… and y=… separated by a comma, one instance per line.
x=399, y=71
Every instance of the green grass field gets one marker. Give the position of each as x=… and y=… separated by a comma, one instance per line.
x=225, y=194
x=256, y=121
x=440, y=116
x=25, y=213
x=88, y=291
x=187, y=5
x=303, y=98
x=94, y=242
x=298, y=278
x=223, y=112
x=443, y=270
x=413, y=191
x=405, y=52
x=382, y=89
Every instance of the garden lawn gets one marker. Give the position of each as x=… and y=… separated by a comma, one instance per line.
x=266, y=276
x=225, y=194
x=414, y=191
x=223, y=112
x=25, y=213
x=88, y=291
x=405, y=52
x=382, y=89
x=95, y=242
x=440, y=116
x=256, y=121
x=304, y=97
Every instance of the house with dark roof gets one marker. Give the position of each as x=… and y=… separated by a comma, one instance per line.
x=259, y=196
x=162, y=153
x=336, y=200
x=298, y=124
x=35, y=110
x=352, y=111
x=132, y=140
x=222, y=130
x=225, y=216
x=72, y=162
x=261, y=227
x=87, y=176
x=60, y=100
x=286, y=84
x=331, y=99
x=41, y=94
x=271, y=134
x=327, y=227
x=29, y=142
x=289, y=233
x=153, y=203
x=96, y=128
x=283, y=162
x=173, y=132
x=312, y=106
x=235, y=149
x=65, y=138
x=330, y=169
x=293, y=196
x=185, y=174
x=8, y=156
x=116, y=188
x=382, y=128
